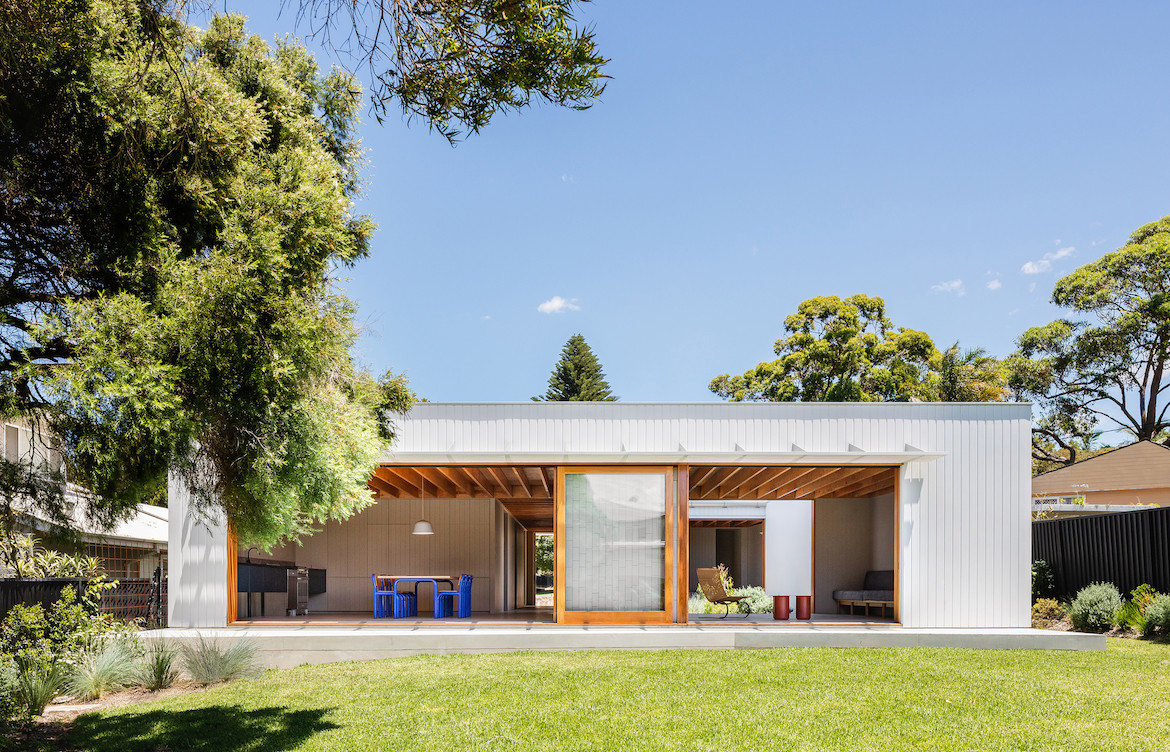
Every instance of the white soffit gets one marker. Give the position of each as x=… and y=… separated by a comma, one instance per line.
x=655, y=458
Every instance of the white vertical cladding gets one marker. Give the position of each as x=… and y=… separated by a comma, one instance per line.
x=965, y=527
x=196, y=564
x=788, y=547
x=964, y=538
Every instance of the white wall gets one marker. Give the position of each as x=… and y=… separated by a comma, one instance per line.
x=197, y=565
x=966, y=527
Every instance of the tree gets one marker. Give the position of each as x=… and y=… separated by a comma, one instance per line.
x=838, y=351
x=173, y=206
x=545, y=554
x=459, y=62
x=967, y=376
x=577, y=376
x=1109, y=367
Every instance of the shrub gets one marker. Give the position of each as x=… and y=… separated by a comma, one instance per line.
x=1095, y=607
x=156, y=669
x=24, y=556
x=207, y=663
x=757, y=600
x=1158, y=614
x=103, y=669
x=1045, y=611
x=1143, y=595
x=8, y=675
x=24, y=635
x=1043, y=582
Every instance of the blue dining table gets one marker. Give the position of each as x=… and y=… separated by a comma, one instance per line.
x=434, y=579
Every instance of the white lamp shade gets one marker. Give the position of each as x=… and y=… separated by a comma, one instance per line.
x=422, y=527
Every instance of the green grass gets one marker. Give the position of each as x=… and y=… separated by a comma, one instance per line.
x=800, y=699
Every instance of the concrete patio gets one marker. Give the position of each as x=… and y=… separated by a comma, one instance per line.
x=288, y=645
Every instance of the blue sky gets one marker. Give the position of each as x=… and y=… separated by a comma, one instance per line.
x=746, y=156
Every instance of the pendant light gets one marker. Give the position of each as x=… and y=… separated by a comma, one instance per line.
x=422, y=527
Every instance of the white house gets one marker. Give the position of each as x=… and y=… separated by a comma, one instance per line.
x=803, y=499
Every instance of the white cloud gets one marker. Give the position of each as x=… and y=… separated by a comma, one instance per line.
x=954, y=285
x=567, y=178
x=487, y=317
x=1044, y=264
x=1032, y=287
x=557, y=304
x=994, y=284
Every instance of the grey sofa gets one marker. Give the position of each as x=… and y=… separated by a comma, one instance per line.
x=877, y=590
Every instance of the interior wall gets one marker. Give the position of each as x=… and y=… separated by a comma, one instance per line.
x=882, y=521
x=519, y=568
x=378, y=540
x=702, y=552
x=843, y=548
x=745, y=544
x=751, y=556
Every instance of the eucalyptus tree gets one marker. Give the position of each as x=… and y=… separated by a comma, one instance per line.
x=1106, y=365
x=838, y=350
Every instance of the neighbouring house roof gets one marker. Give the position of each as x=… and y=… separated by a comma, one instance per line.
x=148, y=526
x=1144, y=465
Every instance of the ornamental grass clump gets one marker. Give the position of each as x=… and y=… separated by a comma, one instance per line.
x=1158, y=615
x=157, y=669
x=1095, y=608
x=106, y=668
x=36, y=686
x=208, y=663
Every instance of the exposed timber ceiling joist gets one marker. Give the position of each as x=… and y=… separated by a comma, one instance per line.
x=526, y=491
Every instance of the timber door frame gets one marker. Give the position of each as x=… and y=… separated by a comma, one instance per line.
x=669, y=571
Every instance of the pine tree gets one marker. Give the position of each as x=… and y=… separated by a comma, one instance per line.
x=578, y=376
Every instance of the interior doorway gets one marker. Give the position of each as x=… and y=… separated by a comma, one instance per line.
x=737, y=545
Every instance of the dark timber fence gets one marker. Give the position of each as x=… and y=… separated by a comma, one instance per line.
x=1125, y=548
x=142, y=599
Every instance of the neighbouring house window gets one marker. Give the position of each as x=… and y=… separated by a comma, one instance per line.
x=615, y=541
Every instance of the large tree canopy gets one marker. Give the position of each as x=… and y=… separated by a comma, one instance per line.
x=173, y=205
x=458, y=62
x=577, y=376
x=838, y=350
x=1108, y=368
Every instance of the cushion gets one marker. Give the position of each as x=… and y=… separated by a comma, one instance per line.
x=881, y=579
x=863, y=595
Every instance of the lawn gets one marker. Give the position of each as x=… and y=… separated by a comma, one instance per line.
x=807, y=699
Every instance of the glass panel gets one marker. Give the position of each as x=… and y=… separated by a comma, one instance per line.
x=615, y=541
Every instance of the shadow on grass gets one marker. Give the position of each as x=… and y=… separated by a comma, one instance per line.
x=218, y=728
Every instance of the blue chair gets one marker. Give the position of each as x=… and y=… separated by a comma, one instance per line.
x=444, y=600
x=383, y=596
x=405, y=604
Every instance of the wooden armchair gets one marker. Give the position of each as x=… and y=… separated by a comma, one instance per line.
x=712, y=586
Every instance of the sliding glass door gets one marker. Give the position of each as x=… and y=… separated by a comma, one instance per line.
x=614, y=544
